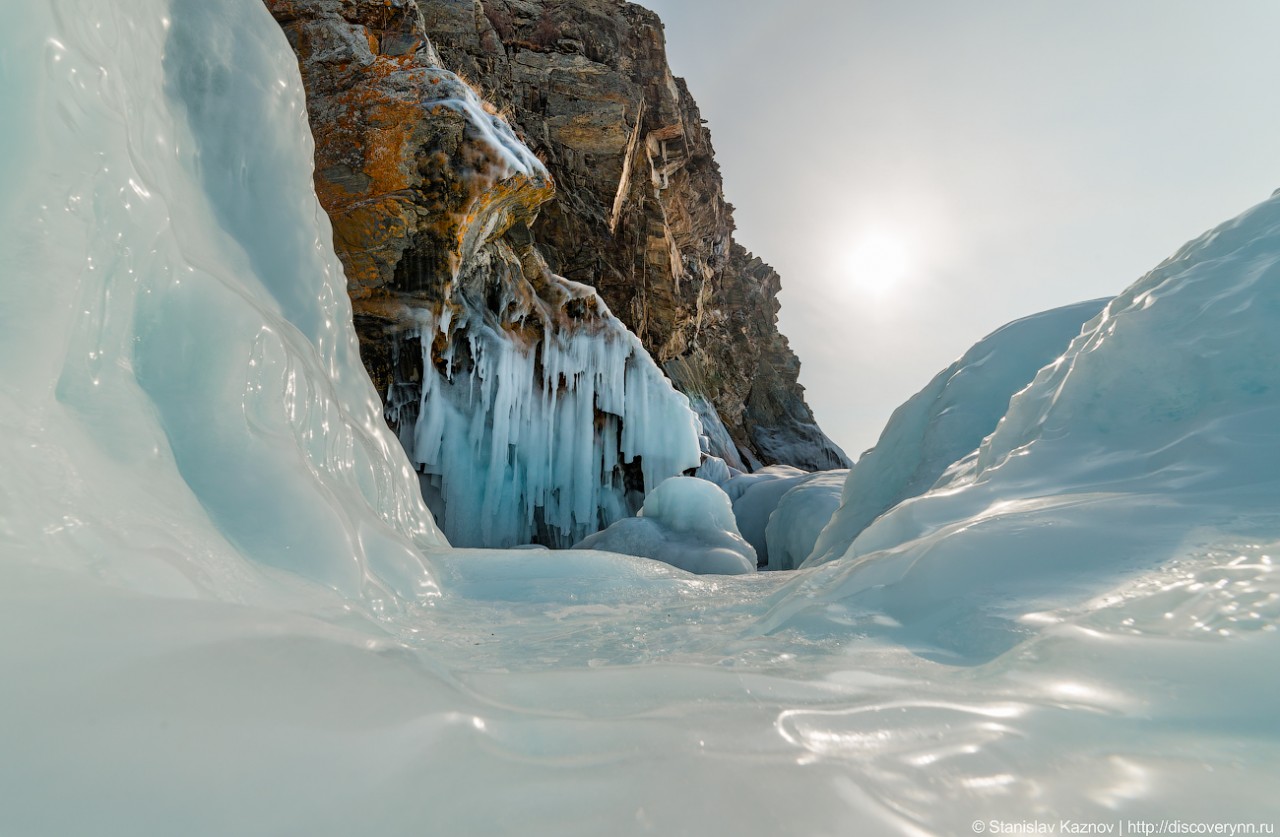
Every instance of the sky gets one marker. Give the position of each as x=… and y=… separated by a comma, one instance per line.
x=921, y=173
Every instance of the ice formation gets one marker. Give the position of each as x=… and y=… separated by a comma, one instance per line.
x=799, y=517
x=531, y=411
x=716, y=470
x=686, y=522
x=182, y=384
x=754, y=498
x=1156, y=434
x=948, y=419
x=715, y=438
x=224, y=609
x=739, y=484
x=532, y=439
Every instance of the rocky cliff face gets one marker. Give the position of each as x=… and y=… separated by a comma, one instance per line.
x=477, y=267
x=639, y=211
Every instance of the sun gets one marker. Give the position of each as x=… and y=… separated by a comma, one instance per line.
x=879, y=259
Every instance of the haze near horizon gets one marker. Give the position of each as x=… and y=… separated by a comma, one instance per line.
x=921, y=173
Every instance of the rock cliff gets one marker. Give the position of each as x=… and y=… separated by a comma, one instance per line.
x=639, y=211
x=480, y=269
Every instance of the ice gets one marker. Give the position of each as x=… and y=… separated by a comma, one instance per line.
x=530, y=411
x=741, y=483
x=715, y=440
x=533, y=439
x=755, y=496
x=716, y=470
x=948, y=419
x=224, y=609
x=181, y=382
x=686, y=522
x=1156, y=432
x=799, y=517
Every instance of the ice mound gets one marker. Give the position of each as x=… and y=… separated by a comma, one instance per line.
x=1157, y=431
x=755, y=496
x=799, y=517
x=739, y=483
x=716, y=470
x=948, y=419
x=686, y=522
x=181, y=381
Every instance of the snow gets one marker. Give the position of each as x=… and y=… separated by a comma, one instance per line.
x=225, y=610
x=948, y=419
x=686, y=522
x=531, y=438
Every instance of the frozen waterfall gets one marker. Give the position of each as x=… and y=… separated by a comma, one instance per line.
x=533, y=440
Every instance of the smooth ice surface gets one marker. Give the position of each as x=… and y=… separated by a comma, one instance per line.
x=686, y=522
x=182, y=391
x=948, y=419
x=223, y=609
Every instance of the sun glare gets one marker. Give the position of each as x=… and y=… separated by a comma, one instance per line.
x=879, y=260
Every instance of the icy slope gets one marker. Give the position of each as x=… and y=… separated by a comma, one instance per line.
x=948, y=419
x=1157, y=431
x=202, y=532
x=181, y=383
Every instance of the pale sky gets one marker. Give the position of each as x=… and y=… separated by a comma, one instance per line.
x=921, y=173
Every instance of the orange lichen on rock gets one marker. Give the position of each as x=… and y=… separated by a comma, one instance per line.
x=400, y=163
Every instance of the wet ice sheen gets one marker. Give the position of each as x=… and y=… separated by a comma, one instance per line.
x=224, y=609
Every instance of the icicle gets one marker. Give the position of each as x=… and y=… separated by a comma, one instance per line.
x=512, y=450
